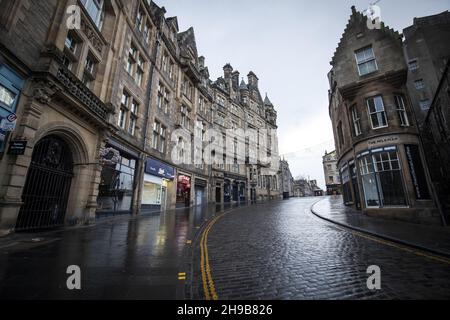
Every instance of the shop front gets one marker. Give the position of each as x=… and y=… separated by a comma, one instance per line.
x=389, y=180
x=116, y=189
x=158, y=177
x=200, y=192
x=183, y=191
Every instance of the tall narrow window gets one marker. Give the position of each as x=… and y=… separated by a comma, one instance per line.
x=156, y=128
x=377, y=112
x=365, y=59
x=369, y=182
x=401, y=111
x=94, y=9
x=122, y=118
x=140, y=19
x=356, y=121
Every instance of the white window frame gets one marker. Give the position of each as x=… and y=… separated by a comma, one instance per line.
x=366, y=60
x=377, y=112
x=401, y=110
x=356, y=120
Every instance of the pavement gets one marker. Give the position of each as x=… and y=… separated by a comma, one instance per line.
x=282, y=251
x=433, y=239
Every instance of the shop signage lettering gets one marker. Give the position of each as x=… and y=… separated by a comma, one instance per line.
x=17, y=148
x=382, y=141
x=417, y=172
x=159, y=169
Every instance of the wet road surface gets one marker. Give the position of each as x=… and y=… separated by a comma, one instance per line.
x=127, y=258
x=281, y=251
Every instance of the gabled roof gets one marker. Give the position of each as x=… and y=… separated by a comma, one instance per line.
x=359, y=21
x=173, y=21
x=187, y=39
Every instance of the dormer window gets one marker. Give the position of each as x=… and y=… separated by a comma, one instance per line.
x=366, y=61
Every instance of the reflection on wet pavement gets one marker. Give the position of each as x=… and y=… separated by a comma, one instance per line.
x=135, y=258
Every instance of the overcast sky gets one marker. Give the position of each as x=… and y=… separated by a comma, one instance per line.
x=288, y=44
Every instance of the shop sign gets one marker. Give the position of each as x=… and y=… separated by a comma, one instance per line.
x=17, y=147
x=159, y=169
x=382, y=141
x=417, y=172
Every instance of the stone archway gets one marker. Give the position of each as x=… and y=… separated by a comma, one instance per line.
x=47, y=187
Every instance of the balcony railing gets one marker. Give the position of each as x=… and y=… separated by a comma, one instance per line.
x=73, y=85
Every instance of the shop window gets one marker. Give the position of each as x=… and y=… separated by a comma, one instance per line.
x=382, y=179
x=183, y=190
x=346, y=188
x=389, y=177
x=116, y=185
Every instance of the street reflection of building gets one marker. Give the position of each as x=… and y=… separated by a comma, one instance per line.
x=88, y=114
x=331, y=172
x=380, y=155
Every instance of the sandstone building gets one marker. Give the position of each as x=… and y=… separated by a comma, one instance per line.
x=331, y=172
x=380, y=155
x=95, y=118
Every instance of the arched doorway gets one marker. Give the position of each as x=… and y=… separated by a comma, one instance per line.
x=47, y=186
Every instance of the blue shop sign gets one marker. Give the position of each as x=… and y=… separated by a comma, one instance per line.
x=159, y=169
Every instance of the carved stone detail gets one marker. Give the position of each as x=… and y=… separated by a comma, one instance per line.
x=44, y=91
x=92, y=35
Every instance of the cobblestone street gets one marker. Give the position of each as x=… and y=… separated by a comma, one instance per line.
x=282, y=251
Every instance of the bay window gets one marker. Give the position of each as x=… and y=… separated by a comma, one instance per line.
x=377, y=113
x=401, y=111
x=381, y=178
x=356, y=121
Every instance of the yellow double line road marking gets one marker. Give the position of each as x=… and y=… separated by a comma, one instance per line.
x=397, y=246
x=208, y=283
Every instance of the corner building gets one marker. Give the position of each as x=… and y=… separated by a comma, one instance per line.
x=380, y=156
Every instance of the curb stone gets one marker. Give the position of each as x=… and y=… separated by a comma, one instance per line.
x=379, y=235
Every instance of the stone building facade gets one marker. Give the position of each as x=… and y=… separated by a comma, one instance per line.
x=97, y=113
x=426, y=51
x=380, y=154
x=287, y=181
x=331, y=172
x=436, y=137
